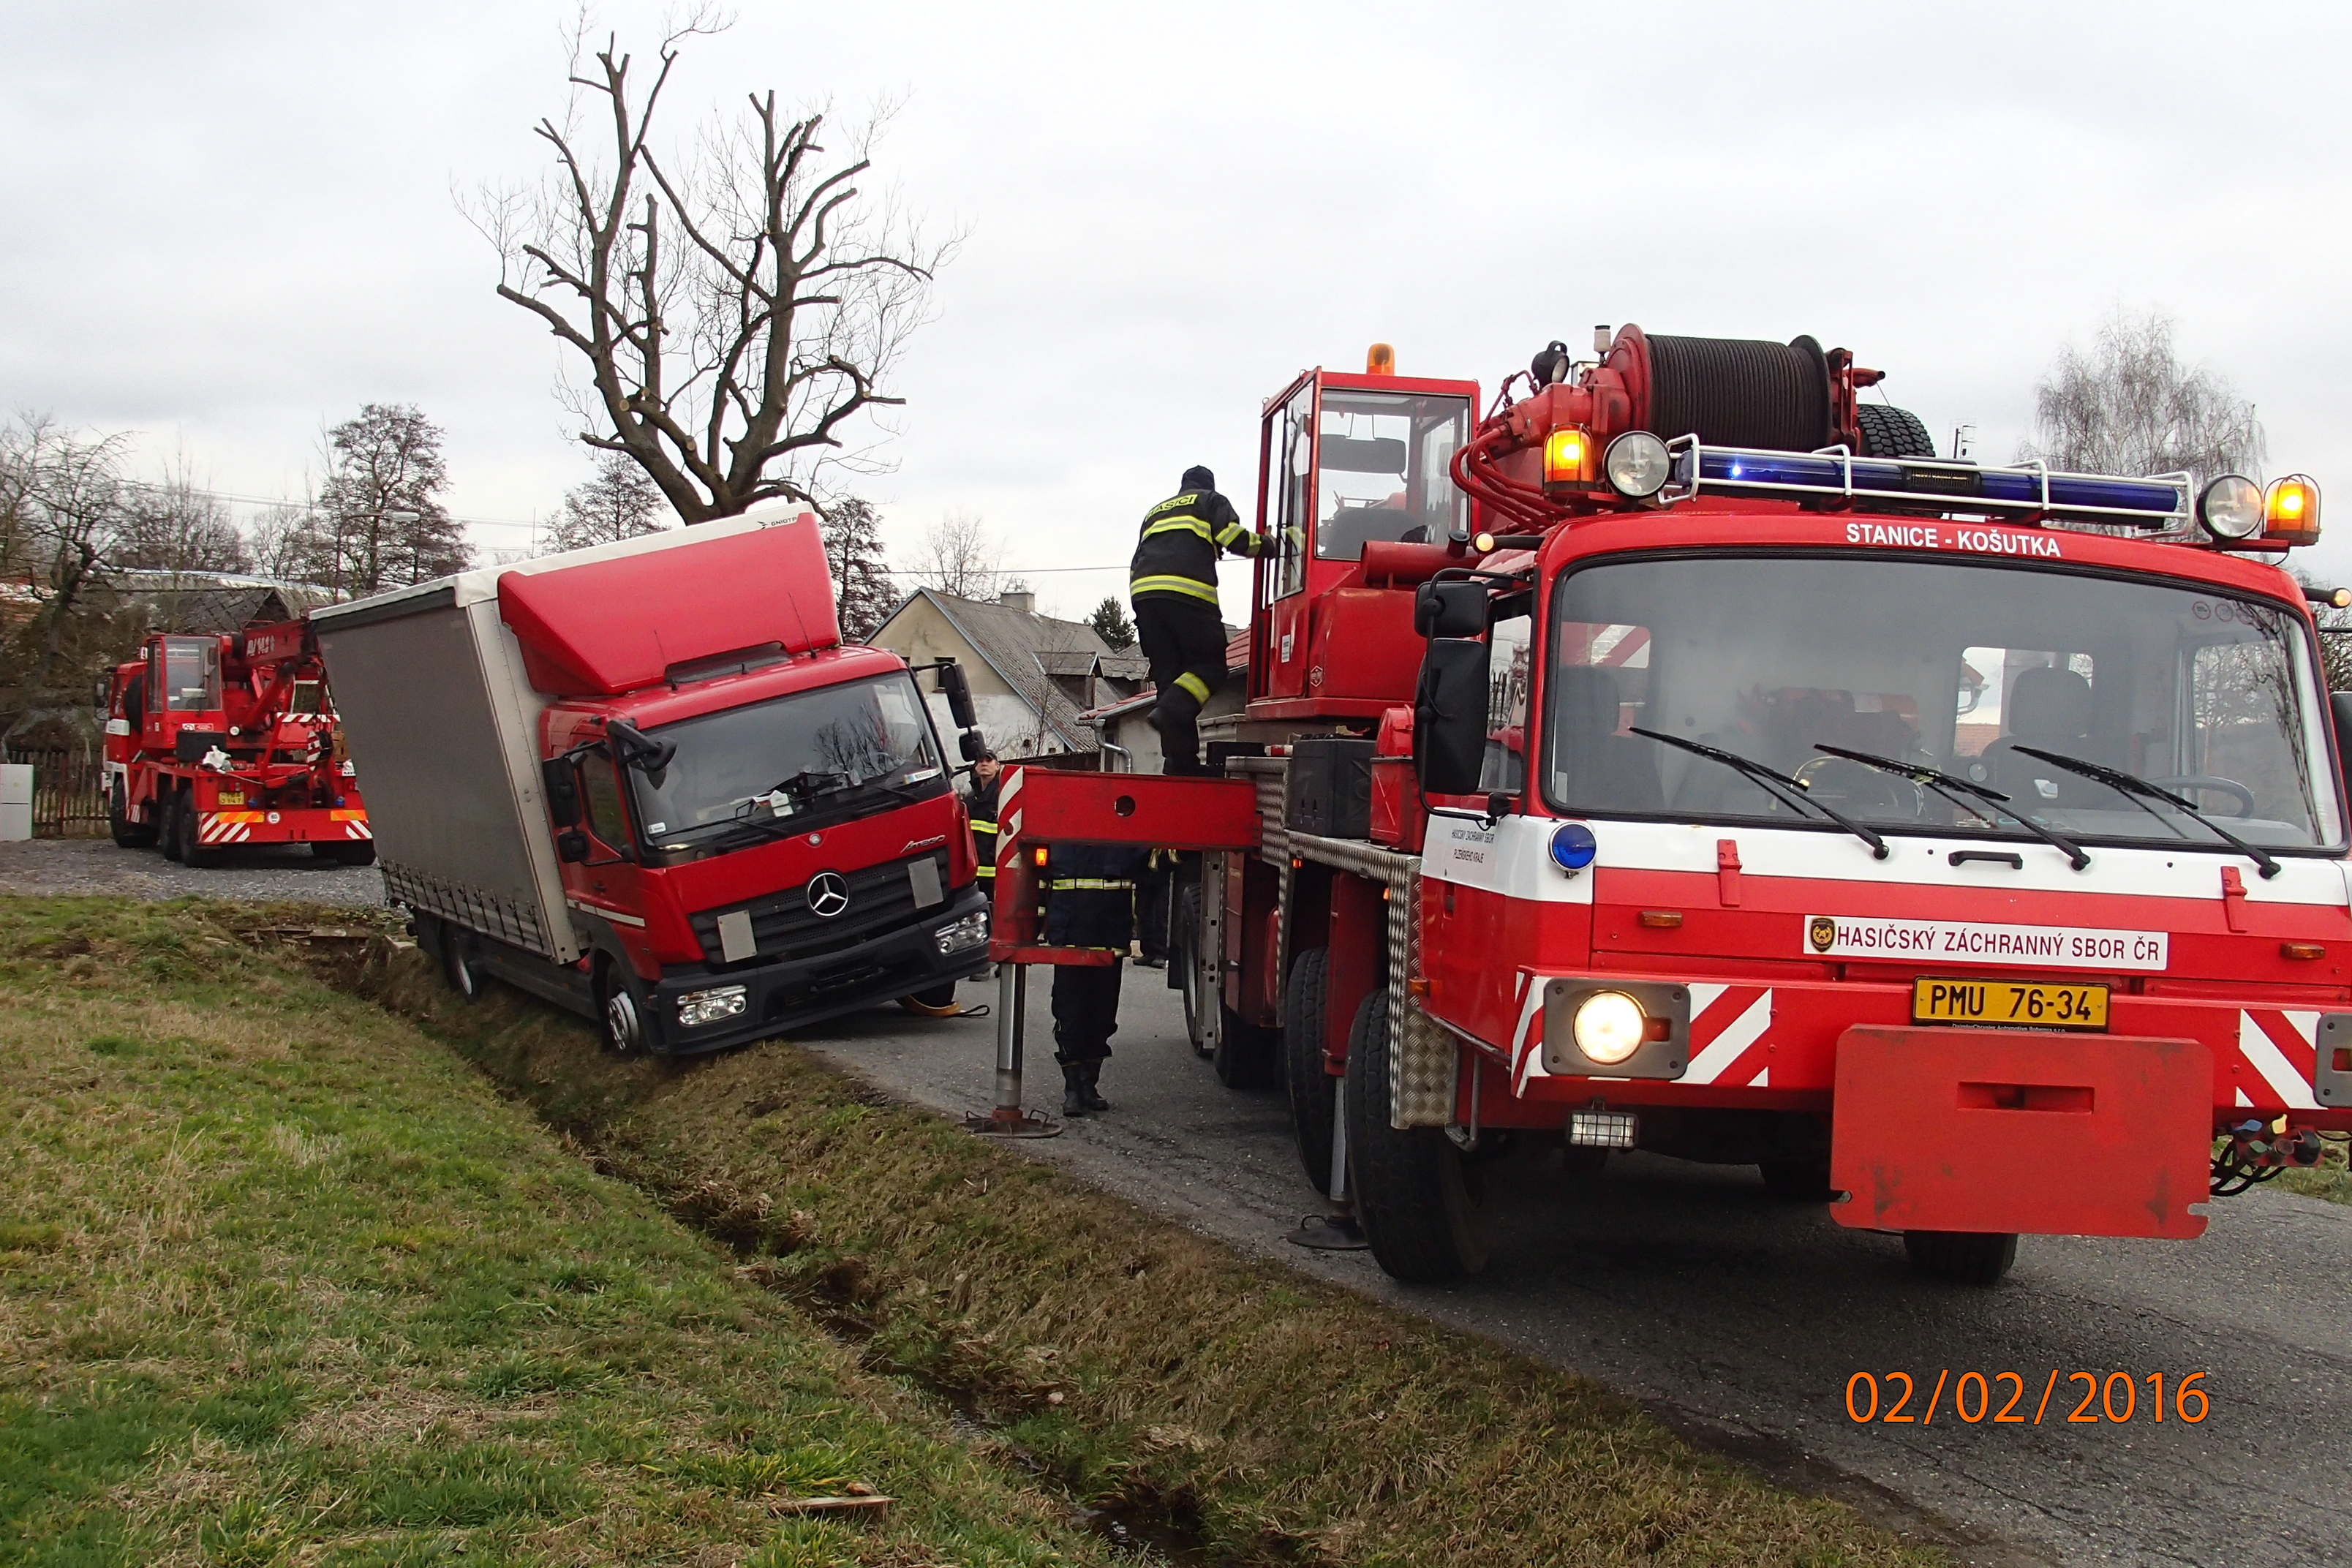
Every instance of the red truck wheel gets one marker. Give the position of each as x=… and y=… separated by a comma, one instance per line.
x=1420, y=1206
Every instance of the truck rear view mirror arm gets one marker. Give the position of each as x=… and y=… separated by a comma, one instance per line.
x=639, y=751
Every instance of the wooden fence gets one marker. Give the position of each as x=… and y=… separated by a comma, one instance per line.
x=68, y=792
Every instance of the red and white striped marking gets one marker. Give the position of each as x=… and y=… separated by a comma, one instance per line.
x=226, y=826
x=2282, y=1050
x=1729, y=1043
x=354, y=824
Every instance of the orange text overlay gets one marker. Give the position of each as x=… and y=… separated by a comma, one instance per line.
x=2025, y=1399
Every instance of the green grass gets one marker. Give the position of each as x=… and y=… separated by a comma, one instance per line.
x=1145, y=1367
x=2330, y=1179
x=283, y=1282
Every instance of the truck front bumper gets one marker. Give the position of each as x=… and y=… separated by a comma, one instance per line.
x=788, y=992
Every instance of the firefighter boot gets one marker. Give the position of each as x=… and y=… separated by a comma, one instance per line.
x=1090, y=1075
x=1073, y=1088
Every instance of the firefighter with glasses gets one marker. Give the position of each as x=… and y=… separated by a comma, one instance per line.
x=1172, y=583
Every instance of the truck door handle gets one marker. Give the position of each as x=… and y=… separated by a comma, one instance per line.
x=2008, y=857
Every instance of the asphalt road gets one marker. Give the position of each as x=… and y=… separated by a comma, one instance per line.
x=1740, y=1319
x=263, y=872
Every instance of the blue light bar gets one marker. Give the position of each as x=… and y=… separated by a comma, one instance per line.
x=1913, y=485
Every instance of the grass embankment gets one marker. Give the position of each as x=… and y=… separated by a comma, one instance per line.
x=2331, y=1179
x=1142, y=1365
x=282, y=1281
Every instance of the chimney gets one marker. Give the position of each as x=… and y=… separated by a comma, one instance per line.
x=1020, y=599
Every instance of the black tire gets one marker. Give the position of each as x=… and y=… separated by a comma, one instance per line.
x=458, y=962
x=1311, y=1095
x=352, y=852
x=1961, y=1256
x=1889, y=432
x=1798, y=1181
x=169, y=829
x=1184, y=970
x=194, y=853
x=1420, y=1204
x=620, y=1019
x=128, y=834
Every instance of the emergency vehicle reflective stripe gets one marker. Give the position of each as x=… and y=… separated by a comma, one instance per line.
x=1188, y=681
x=981, y=830
x=2283, y=1048
x=1231, y=531
x=1136, y=587
x=1090, y=885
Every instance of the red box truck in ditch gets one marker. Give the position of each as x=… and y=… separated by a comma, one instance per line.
x=646, y=781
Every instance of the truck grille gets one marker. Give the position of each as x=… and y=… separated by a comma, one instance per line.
x=881, y=899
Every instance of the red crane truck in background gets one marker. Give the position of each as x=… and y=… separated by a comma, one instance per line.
x=647, y=781
x=216, y=740
x=1684, y=758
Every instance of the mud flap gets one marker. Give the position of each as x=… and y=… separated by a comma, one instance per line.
x=2036, y=1132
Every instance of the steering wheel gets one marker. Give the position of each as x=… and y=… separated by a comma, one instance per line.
x=1858, y=788
x=2190, y=784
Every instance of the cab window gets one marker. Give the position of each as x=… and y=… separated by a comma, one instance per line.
x=1385, y=466
x=192, y=677
x=1293, y=470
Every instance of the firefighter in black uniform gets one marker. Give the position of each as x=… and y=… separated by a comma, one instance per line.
x=987, y=775
x=1089, y=903
x=1172, y=582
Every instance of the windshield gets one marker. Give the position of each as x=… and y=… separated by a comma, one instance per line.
x=1966, y=668
x=811, y=758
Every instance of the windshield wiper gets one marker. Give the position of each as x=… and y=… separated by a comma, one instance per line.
x=2139, y=789
x=1769, y=780
x=1943, y=784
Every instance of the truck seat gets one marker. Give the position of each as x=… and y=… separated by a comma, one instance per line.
x=1594, y=765
x=2049, y=708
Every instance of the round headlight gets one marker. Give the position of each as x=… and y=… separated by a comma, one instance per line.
x=1572, y=846
x=1609, y=1025
x=2231, y=507
x=1637, y=465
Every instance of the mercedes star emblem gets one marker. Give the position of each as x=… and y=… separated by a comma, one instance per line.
x=828, y=895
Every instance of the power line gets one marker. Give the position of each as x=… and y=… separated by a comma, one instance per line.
x=308, y=505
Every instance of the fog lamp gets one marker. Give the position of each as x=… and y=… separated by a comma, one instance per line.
x=966, y=932
x=1637, y=465
x=1610, y=1026
x=697, y=1008
x=2231, y=507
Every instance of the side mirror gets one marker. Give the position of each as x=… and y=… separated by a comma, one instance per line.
x=1449, y=717
x=972, y=745
x=1450, y=610
x=956, y=688
x=561, y=780
x=571, y=845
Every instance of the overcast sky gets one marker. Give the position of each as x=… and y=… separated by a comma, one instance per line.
x=227, y=224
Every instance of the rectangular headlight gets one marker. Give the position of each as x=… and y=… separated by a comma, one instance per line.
x=697, y=1008
x=968, y=932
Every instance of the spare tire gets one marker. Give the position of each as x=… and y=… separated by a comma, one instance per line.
x=1890, y=432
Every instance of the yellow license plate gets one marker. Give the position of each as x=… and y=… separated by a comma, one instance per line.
x=230, y=797
x=2008, y=1003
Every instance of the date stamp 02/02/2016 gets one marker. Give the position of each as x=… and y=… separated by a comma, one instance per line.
x=2008, y=1398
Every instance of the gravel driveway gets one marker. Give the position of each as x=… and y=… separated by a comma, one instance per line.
x=53, y=865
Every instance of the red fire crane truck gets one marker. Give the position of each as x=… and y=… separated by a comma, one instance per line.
x=228, y=739
x=1683, y=757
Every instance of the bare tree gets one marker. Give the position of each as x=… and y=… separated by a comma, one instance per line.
x=617, y=502
x=174, y=526
x=70, y=508
x=960, y=557
x=277, y=541
x=2130, y=407
x=379, y=522
x=735, y=307
x=862, y=588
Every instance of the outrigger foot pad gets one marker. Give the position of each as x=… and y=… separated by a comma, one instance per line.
x=1012, y=1121
x=1328, y=1233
